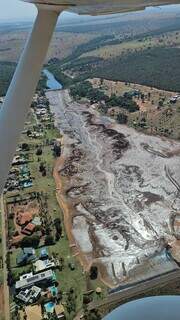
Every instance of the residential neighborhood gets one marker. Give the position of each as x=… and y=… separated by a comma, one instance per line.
x=42, y=270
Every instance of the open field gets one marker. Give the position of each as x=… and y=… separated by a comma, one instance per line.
x=140, y=48
x=152, y=117
x=121, y=186
x=169, y=39
x=62, y=44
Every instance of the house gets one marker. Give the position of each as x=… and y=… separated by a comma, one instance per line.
x=43, y=279
x=29, y=229
x=173, y=100
x=27, y=256
x=36, y=135
x=17, y=160
x=41, y=265
x=23, y=218
x=28, y=296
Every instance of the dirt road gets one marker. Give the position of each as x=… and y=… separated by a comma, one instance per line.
x=138, y=289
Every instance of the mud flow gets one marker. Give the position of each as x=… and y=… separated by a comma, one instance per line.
x=120, y=188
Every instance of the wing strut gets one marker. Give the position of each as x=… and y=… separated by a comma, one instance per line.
x=18, y=99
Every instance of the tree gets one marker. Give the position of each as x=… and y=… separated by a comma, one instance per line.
x=57, y=150
x=25, y=147
x=101, y=81
x=142, y=97
x=122, y=118
x=49, y=240
x=39, y=151
x=29, y=132
x=32, y=241
x=58, y=226
x=42, y=169
x=160, y=103
x=93, y=272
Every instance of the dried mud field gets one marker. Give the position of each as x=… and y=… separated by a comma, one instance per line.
x=119, y=191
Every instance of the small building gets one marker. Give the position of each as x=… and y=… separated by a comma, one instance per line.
x=29, y=296
x=44, y=253
x=29, y=229
x=173, y=100
x=17, y=160
x=43, y=279
x=59, y=310
x=36, y=221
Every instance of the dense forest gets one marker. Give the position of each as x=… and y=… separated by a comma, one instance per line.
x=156, y=67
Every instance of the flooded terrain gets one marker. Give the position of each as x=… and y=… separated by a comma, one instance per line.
x=120, y=193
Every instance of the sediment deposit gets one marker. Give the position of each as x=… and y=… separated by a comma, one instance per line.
x=120, y=188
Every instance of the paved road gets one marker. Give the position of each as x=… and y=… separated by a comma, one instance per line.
x=4, y=252
x=135, y=290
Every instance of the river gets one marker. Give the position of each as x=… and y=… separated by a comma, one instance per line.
x=51, y=83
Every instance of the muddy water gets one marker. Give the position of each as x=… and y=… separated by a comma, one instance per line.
x=121, y=188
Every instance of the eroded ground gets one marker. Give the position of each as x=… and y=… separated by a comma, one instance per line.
x=119, y=190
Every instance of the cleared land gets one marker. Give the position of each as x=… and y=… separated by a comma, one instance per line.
x=120, y=188
x=156, y=114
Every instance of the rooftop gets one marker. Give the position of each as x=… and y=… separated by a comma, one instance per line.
x=29, y=295
x=41, y=265
x=29, y=229
x=30, y=279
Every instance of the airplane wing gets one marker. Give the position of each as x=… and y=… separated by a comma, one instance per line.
x=99, y=7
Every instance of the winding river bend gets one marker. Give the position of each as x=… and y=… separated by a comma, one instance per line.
x=118, y=190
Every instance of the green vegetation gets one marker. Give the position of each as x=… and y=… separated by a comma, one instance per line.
x=156, y=67
x=32, y=241
x=6, y=73
x=122, y=118
x=55, y=69
x=96, y=43
x=86, y=90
